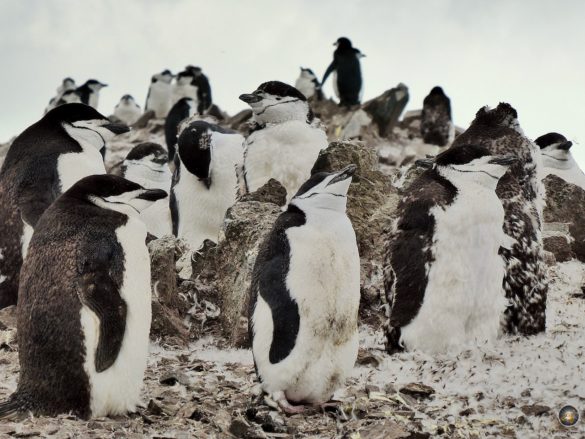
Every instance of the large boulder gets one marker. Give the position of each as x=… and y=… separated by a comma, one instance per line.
x=386, y=109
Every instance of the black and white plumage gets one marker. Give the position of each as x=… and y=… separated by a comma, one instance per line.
x=558, y=160
x=308, y=84
x=147, y=164
x=436, y=126
x=183, y=109
x=286, y=141
x=443, y=272
x=65, y=94
x=83, y=326
x=347, y=81
x=204, y=181
x=159, y=94
x=45, y=160
x=183, y=87
x=127, y=110
x=522, y=194
x=90, y=92
x=201, y=81
x=304, y=296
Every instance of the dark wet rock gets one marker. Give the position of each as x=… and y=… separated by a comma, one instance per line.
x=535, y=410
x=386, y=109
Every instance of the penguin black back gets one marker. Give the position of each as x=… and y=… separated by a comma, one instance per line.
x=349, y=76
x=183, y=109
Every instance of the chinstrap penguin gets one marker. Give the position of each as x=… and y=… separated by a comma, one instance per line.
x=66, y=86
x=83, y=326
x=285, y=142
x=44, y=161
x=158, y=98
x=183, y=87
x=522, y=194
x=558, y=160
x=147, y=165
x=308, y=84
x=304, y=296
x=436, y=126
x=203, y=88
x=183, y=109
x=127, y=110
x=443, y=272
x=347, y=81
x=90, y=92
x=204, y=181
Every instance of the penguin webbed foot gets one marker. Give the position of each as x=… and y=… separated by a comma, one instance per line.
x=279, y=401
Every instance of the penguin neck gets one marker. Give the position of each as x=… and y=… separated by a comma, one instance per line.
x=282, y=113
x=148, y=175
x=557, y=160
x=462, y=180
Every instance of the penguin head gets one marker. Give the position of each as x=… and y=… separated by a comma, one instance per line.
x=185, y=77
x=343, y=43
x=555, y=146
x=95, y=85
x=307, y=73
x=196, y=71
x=84, y=124
x=504, y=115
x=438, y=91
x=69, y=97
x=276, y=102
x=127, y=100
x=470, y=163
x=68, y=84
x=150, y=155
x=114, y=193
x=325, y=190
x=165, y=76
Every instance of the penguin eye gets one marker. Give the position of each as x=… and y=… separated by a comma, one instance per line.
x=278, y=99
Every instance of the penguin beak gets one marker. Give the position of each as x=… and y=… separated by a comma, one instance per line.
x=250, y=98
x=344, y=174
x=116, y=128
x=425, y=163
x=103, y=85
x=152, y=195
x=565, y=146
x=507, y=160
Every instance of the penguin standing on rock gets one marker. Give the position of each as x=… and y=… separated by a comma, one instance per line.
x=203, y=88
x=90, y=92
x=443, y=272
x=558, y=160
x=347, y=81
x=205, y=181
x=83, y=326
x=127, y=110
x=308, y=84
x=159, y=94
x=286, y=141
x=436, y=126
x=183, y=109
x=147, y=164
x=522, y=194
x=44, y=161
x=305, y=295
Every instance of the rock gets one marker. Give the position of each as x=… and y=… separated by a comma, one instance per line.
x=241, y=429
x=565, y=203
x=468, y=411
x=8, y=317
x=143, y=120
x=271, y=192
x=372, y=201
x=240, y=118
x=417, y=390
x=385, y=430
x=174, y=377
x=560, y=247
x=167, y=327
x=535, y=410
x=386, y=109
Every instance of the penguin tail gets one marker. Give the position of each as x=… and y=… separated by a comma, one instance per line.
x=12, y=409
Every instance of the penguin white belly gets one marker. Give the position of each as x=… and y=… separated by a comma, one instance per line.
x=117, y=389
x=306, y=86
x=185, y=91
x=127, y=113
x=464, y=299
x=324, y=280
x=27, y=232
x=285, y=152
x=74, y=166
x=93, y=100
x=159, y=99
x=335, y=86
x=158, y=218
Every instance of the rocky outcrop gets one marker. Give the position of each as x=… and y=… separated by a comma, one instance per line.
x=386, y=109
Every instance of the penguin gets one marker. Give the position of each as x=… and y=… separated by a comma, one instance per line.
x=558, y=160
x=44, y=161
x=69, y=97
x=83, y=326
x=436, y=125
x=305, y=294
x=308, y=84
x=184, y=88
x=127, y=110
x=522, y=194
x=158, y=98
x=443, y=273
x=204, y=182
x=67, y=86
x=347, y=81
x=90, y=92
x=183, y=109
x=286, y=140
x=147, y=165
x=203, y=88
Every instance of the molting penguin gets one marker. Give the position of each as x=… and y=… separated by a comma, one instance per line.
x=184, y=88
x=159, y=94
x=443, y=273
x=347, y=81
x=183, y=109
x=286, y=142
x=308, y=84
x=203, y=88
x=558, y=160
x=436, y=126
x=83, y=325
x=522, y=194
x=90, y=92
x=204, y=182
x=305, y=295
x=44, y=161
x=127, y=110
x=147, y=165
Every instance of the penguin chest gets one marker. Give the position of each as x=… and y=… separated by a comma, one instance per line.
x=305, y=86
x=159, y=99
x=72, y=167
x=116, y=390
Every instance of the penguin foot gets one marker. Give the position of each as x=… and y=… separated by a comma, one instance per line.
x=285, y=405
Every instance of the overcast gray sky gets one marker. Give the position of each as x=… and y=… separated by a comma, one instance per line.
x=529, y=53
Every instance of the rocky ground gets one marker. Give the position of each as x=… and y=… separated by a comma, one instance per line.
x=200, y=380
